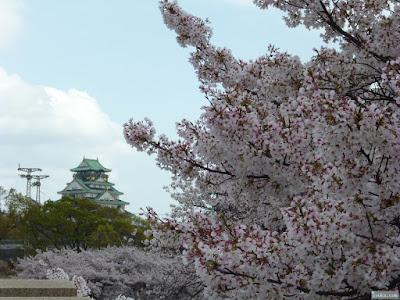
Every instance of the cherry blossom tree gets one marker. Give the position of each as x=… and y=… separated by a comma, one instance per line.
x=289, y=183
x=107, y=273
x=59, y=274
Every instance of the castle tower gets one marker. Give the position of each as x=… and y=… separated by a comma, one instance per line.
x=91, y=181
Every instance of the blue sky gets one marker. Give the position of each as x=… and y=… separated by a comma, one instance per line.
x=72, y=72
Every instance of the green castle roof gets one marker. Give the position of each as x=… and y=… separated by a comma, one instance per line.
x=115, y=202
x=105, y=184
x=112, y=193
x=90, y=165
x=87, y=189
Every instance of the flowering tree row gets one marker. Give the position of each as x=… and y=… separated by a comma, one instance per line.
x=113, y=271
x=289, y=183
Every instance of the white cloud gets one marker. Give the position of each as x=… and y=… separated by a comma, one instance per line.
x=53, y=113
x=11, y=22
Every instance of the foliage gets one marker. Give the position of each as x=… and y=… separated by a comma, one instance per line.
x=11, y=216
x=3, y=193
x=141, y=227
x=6, y=269
x=103, y=236
x=6, y=226
x=76, y=223
x=119, y=270
x=289, y=182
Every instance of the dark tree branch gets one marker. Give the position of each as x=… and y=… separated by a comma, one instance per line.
x=357, y=41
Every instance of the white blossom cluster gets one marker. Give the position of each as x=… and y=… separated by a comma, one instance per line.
x=57, y=273
x=108, y=273
x=289, y=183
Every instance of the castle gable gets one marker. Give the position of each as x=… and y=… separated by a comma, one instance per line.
x=83, y=164
x=73, y=186
x=106, y=197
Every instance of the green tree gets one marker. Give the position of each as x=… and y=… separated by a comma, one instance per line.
x=11, y=213
x=6, y=226
x=127, y=225
x=104, y=236
x=64, y=224
x=140, y=225
x=77, y=223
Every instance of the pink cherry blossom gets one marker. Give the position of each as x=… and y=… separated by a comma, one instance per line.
x=288, y=184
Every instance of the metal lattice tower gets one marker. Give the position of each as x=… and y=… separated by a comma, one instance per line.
x=38, y=184
x=28, y=177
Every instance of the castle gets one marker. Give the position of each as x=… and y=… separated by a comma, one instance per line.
x=91, y=181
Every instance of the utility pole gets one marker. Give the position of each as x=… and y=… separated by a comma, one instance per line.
x=38, y=184
x=28, y=177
